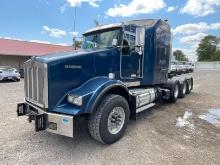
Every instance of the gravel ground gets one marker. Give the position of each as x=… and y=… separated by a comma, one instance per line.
x=167, y=134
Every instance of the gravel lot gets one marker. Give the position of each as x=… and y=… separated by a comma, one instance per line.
x=166, y=134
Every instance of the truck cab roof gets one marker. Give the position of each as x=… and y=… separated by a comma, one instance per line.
x=143, y=22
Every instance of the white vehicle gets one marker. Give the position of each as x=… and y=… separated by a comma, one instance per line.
x=191, y=66
x=185, y=67
x=173, y=68
x=180, y=68
x=9, y=73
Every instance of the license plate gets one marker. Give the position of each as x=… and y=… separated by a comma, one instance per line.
x=9, y=78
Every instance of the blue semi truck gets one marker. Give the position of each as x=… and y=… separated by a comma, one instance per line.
x=121, y=70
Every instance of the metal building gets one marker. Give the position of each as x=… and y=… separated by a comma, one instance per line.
x=15, y=52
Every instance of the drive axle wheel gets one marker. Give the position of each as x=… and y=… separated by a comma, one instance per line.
x=189, y=86
x=183, y=88
x=174, y=92
x=108, y=123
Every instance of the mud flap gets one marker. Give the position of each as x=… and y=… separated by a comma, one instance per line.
x=21, y=109
x=40, y=122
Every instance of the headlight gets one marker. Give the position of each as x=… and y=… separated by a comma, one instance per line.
x=76, y=100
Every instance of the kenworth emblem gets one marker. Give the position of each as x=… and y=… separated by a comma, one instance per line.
x=73, y=67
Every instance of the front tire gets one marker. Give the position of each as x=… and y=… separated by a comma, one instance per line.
x=108, y=123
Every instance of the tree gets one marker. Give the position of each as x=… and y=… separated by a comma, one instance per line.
x=179, y=55
x=216, y=56
x=207, y=49
x=76, y=43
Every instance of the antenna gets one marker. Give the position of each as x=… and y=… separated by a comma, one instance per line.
x=74, y=26
x=74, y=18
x=96, y=23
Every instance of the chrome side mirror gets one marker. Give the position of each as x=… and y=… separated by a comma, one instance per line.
x=140, y=36
x=139, y=40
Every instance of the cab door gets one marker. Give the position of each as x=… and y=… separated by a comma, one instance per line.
x=132, y=54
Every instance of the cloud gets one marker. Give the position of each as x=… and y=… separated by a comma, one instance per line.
x=200, y=8
x=47, y=42
x=40, y=41
x=56, y=33
x=74, y=3
x=11, y=38
x=215, y=26
x=193, y=28
x=73, y=33
x=136, y=7
x=44, y=1
x=63, y=8
x=171, y=9
x=193, y=40
x=63, y=44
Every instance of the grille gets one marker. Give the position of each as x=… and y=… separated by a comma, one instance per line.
x=36, y=83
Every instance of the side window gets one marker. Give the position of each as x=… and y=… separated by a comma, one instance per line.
x=128, y=40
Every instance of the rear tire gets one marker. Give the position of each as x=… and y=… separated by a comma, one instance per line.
x=174, y=92
x=189, y=86
x=108, y=123
x=183, y=88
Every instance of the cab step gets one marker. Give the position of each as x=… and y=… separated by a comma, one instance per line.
x=145, y=107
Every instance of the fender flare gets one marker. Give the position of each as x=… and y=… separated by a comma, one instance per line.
x=94, y=90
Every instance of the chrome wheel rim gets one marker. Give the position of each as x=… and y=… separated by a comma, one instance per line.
x=116, y=120
x=190, y=85
x=176, y=92
x=184, y=88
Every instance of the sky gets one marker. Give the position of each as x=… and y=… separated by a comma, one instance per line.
x=52, y=21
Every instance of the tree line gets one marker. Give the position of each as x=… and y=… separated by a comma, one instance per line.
x=208, y=50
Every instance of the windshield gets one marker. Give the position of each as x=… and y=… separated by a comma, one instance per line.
x=101, y=39
x=6, y=68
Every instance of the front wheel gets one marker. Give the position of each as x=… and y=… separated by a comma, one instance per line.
x=108, y=123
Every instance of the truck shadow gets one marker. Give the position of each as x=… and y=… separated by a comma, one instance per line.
x=149, y=112
x=82, y=139
x=82, y=136
x=7, y=81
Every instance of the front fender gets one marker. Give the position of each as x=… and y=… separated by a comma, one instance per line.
x=91, y=91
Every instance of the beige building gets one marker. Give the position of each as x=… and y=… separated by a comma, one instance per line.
x=15, y=52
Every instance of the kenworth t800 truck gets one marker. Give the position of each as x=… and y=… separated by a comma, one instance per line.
x=121, y=70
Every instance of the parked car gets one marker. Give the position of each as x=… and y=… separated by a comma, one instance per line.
x=9, y=73
x=191, y=66
x=180, y=68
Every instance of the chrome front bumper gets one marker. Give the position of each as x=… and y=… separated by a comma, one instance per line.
x=51, y=122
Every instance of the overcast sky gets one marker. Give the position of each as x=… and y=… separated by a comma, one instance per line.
x=52, y=21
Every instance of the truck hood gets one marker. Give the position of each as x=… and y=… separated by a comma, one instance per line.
x=66, y=55
x=67, y=71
